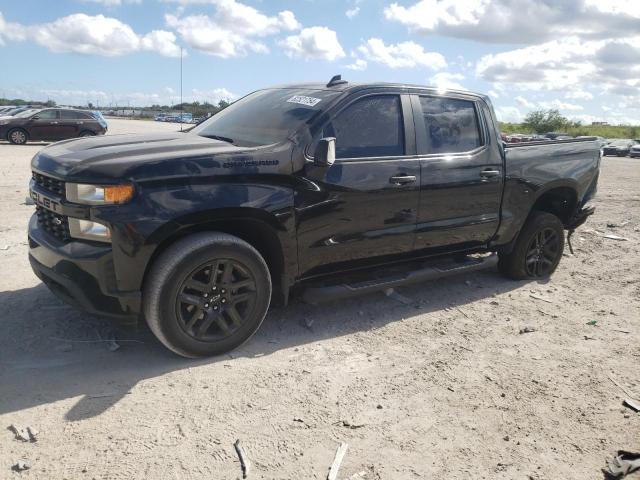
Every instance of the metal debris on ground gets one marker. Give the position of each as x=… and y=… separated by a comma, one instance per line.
x=538, y=297
x=611, y=236
x=20, y=466
x=6, y=247
x=624, y=463
x=527, y=330
x=632, y=404
x=337, y=460
x=398, y=297
x=593, y=323
x=24, y=434
x=348, y=424
x=244, y=460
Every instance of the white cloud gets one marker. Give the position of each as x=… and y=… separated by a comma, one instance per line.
x=509, y=114
x=313, y=42
x=233, y=30
x=113, y=3
x=90, y=35
x=162, y=42
x=493, y=93
x=404, y=54
x=579, y=95
x=517, y=21
x=560, y=105
x=523, y=102
x=447, y=80
x=358, y=64
x=352, y=12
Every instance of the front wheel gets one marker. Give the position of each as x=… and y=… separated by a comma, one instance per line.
x=538, y=249
x=17, y=136
x=206, y=294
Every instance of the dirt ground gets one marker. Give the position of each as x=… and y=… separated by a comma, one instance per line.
x=441, y=387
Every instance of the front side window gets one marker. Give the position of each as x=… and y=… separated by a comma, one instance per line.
x=451, y=125
x=369, y=127
x=48, y=115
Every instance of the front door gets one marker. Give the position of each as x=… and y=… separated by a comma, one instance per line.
x=461, y=174
x=365, y=205
x=45, y=125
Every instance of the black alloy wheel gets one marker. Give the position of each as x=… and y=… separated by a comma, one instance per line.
x=538, y=249
x=215, y=300
x=206, y=294
x=542, y=253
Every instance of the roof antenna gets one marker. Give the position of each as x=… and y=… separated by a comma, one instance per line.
x=336, y=80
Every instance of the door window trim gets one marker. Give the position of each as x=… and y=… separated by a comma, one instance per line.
x=408, y=126
x=422, y=142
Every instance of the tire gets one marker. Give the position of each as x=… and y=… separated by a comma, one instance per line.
x=17, y=136
x=87, y=133
x=527, y=260
x=195, y=313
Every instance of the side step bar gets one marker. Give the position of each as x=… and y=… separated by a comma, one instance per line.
x=434, y=271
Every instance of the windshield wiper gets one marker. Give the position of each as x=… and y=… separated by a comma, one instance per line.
x=221, y=138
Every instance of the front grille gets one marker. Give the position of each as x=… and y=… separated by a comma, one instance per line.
x=48, y=183
x=54, y=223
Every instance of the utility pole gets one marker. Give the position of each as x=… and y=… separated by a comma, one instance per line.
x=181, y=103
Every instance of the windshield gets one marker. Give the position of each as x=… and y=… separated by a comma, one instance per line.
x=265, y=117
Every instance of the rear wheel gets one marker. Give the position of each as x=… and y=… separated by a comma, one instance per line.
x=17, y=136
x=538, y=249
x=87, y=133
x=207, y=294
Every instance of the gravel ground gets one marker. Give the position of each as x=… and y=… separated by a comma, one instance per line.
x=441, y=387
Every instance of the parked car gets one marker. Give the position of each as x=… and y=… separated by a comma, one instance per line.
x=635, y=149
x=51, y=124
x=335, y=189
x=14, y=111
x=160, y=117
x=618, y=147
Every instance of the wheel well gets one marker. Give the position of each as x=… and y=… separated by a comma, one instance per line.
x=560, y=201
x=256, y=233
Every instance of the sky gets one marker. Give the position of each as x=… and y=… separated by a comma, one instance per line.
x=579, y=56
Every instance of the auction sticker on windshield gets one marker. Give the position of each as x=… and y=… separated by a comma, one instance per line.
x=302, y=100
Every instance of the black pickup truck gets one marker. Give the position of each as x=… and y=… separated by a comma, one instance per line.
x=327, y=189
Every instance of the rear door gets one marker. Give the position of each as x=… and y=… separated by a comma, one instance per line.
x=44, y=125
x=365, y=205
x=461, y=176
x=71, y=123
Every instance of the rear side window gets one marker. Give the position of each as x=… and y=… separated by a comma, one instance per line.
x=451, y=124
x=369, y=127
x=74, y=115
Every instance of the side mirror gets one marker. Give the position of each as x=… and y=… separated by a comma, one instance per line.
x=325, y=154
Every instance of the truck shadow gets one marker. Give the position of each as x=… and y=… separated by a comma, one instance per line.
x=50, y=352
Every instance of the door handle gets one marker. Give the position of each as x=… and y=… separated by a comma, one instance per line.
x=53, y=123
x=402, y=179
x=488, y=173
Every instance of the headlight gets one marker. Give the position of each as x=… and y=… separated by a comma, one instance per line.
x=88, y=230
x=98, y=194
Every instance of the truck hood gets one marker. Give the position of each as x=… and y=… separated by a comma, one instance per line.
x=138, y=157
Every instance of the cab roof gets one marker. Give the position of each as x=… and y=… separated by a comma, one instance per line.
x=351, y=87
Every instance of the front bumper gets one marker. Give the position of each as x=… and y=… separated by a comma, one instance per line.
x=81, y=274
